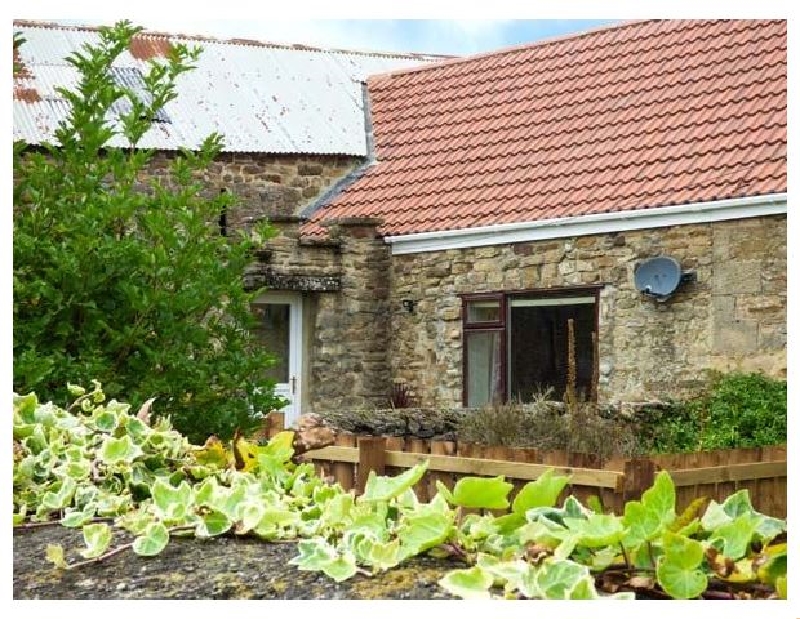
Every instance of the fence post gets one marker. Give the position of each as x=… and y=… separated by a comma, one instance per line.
x=275, y=421
x=371, y=457
x=639, y=476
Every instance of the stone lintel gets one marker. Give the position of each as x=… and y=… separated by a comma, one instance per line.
x=322, y=243
x=287, y=219
x=260, y=278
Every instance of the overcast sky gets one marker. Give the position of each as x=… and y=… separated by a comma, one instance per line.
x=398, y=35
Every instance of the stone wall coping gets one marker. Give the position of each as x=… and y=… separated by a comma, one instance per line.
x=353, y=222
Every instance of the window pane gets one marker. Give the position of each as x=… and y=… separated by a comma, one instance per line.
x=484, y=368
x=273, y=333
x=538, y=349
x=483, y=311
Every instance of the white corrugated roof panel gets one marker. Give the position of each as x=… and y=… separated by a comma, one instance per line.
x=260, y=97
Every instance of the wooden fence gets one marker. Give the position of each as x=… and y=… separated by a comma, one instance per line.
x=710, y=474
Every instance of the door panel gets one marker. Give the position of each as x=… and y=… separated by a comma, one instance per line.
x=280, y=331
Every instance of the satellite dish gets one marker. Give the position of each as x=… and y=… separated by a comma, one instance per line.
x=658, y=277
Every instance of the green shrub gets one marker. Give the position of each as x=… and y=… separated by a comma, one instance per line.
x=133, y=286
x=737, y=411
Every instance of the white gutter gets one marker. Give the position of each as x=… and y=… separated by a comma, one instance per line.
x=603, y=223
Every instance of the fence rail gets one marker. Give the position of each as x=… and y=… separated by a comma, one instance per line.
x=710, y=474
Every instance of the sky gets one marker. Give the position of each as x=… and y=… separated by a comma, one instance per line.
x=433, y=36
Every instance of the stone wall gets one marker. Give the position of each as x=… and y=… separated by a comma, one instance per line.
x=733, y=317
x=266, y=184
x=345, y=284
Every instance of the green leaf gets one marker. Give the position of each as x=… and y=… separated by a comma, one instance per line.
x=679, y=582
x=153, y=541
x=97, y=538
x=738, y=503
x=213, y=523
x=341, y=568
x=509, y=573
x=482, y=492
x=380, y=555
x=119, y=450
x=379, y=488
x=473, y=583
x=584, y=589
x=105, y=420
x=315, y=553
x=543, y=492
x=419, y=532
x=555, y=579
x=168, y=499
x=55, y=555
x=648, y=518
x=77, y=518
x=780, y=587
x=736, y=535
x=597, y=531
x=677, y=570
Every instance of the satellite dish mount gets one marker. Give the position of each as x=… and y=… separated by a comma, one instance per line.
x=659, y=278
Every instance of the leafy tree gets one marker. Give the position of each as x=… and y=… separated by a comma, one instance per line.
x=125, y=278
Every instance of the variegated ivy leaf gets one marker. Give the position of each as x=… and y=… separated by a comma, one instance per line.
x=736, y=535
x=469, y=584
x=382, y=556
x=507, y=573
x=213, y=523
x=105, y=420
x=314, y=554
x=380, y=488
x=116, y=450
x=597, y=531
x=649, y=517
x=252, y=513
x=543, y=492
x=419, y=531
x=172, y=503
x=152, y=541
x=482, y=492
x=97, y=538
x=55, y=555
x=341, y=568
x=678, y=570
x=77, y=518
x=62, y=497
x=556, y=578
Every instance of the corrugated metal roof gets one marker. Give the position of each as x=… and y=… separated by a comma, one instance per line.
x=260, y=97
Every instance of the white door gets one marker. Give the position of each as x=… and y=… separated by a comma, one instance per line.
x=281, y=324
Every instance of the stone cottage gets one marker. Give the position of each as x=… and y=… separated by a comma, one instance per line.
x=293, y=120
x=508, y=195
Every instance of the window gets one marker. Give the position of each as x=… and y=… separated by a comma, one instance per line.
x=132, y=79
x=517, y=344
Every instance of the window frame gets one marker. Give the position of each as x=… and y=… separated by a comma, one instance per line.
x=504, y=296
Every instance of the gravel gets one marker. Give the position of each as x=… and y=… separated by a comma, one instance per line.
x=218, y=568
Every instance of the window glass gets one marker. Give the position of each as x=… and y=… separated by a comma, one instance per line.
x=483, y=311
x=484, y=368
x=273, y=333
x=538, y=347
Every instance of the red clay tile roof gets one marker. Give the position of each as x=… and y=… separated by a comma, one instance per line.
x=641, y=115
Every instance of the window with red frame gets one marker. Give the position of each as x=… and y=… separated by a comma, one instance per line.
x=516, y=344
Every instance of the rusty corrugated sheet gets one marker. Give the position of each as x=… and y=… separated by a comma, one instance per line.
x=260, y=97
